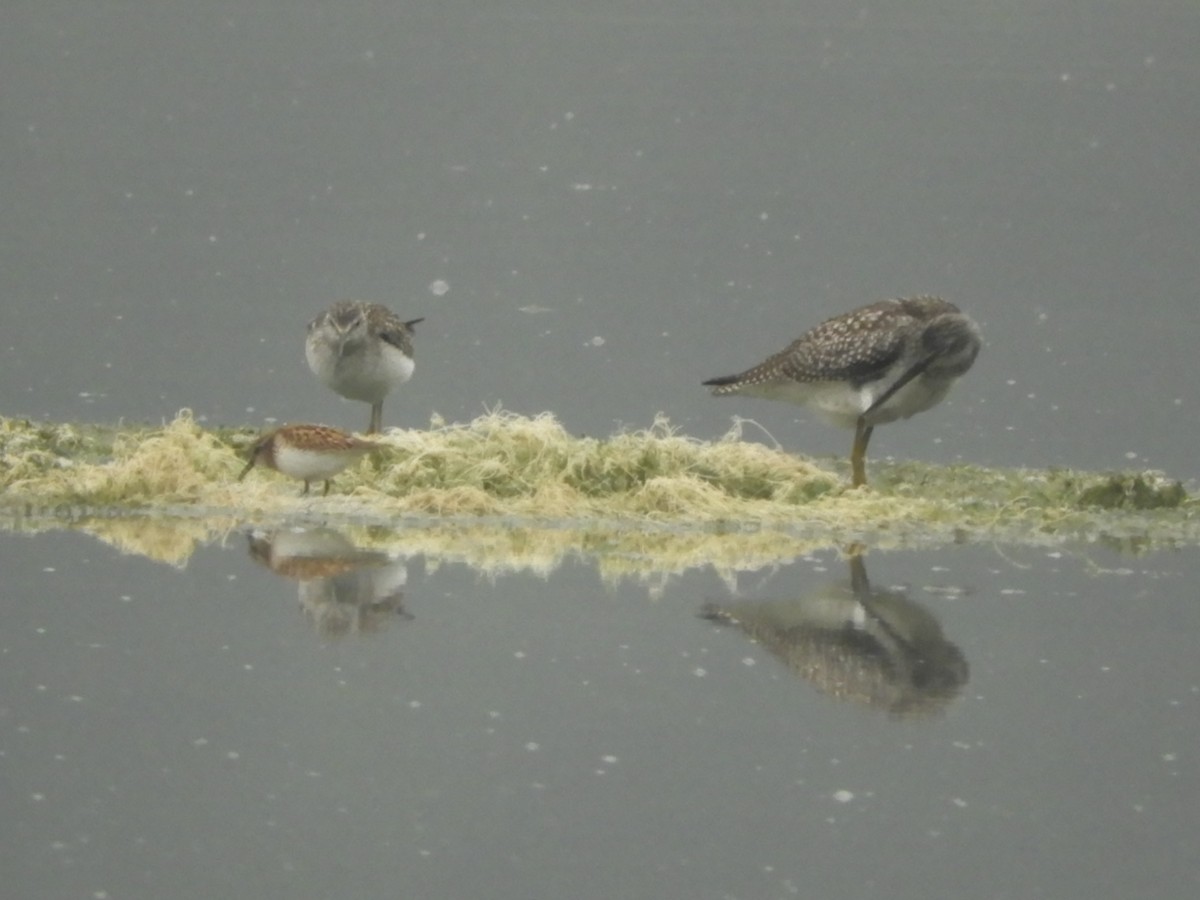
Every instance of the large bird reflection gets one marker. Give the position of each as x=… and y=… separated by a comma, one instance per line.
x=857, y=643
x=343, y=589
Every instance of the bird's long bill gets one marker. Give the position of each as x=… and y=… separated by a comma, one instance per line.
x=249, y=466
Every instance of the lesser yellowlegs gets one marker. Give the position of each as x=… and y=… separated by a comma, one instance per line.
x=882, y=362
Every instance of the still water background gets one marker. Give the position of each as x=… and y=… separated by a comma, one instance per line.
x=192, y=733
x=683, y=186
x=596, y=206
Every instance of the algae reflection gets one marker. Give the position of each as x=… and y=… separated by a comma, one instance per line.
x=857, y=643
x=343, y=588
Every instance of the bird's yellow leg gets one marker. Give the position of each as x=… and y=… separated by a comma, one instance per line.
x=858, y=455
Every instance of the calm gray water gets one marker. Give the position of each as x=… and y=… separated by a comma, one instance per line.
x=684, y=186
x=220, y=731
x=596, y=206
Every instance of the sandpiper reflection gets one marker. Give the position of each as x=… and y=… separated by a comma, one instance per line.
x=343, y=589
x=857, y=643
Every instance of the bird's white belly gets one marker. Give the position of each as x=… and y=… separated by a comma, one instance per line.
x=840, y=403
x=309, y=465
x=367, y=376
x=917, y=396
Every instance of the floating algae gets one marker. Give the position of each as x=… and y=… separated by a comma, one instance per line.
x=504, y=470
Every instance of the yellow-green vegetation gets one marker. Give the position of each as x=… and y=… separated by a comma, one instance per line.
x=519, y=475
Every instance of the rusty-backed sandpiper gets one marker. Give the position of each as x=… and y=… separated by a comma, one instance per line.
x=307, y=452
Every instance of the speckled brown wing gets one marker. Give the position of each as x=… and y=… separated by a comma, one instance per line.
x=853, y=348
x=322, y=437
x=392, y=329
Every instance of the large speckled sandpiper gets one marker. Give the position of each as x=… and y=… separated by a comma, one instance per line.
x=362, y=351
x=886, y=361
x=307, y=452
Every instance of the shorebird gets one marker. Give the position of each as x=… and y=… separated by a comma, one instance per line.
x=307, y=452
x=873, y=365
x=361, y=351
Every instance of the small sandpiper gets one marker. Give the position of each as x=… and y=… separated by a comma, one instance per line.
x=307, y=452
x=361, y=351
x=873, y=365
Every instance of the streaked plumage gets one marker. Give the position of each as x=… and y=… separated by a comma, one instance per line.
x=873, y=365
x=361, y=351
x=307, y=452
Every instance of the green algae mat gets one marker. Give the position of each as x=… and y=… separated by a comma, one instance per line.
x=525, y=490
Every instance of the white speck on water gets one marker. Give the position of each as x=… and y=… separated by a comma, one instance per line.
x=1129, y=454
x=439, y=288
x=597, y=341
x=1170, y=757
x=75, y=698
x=49, y=569
x=37, y=797
x=608, y=759
x=414, y=704
x=843, y=796
x=749, y=661
x=233, y=754
x=581, y=186
x=699, y=672
x=959, y=802
x=200, y=742
x=125, y=598
x=533, y=746
x=520, y=654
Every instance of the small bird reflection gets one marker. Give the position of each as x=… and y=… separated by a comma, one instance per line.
x=343, y=589
x=857, y=643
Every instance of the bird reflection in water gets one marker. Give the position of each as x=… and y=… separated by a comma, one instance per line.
x=857, y=643
x=343, y=589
